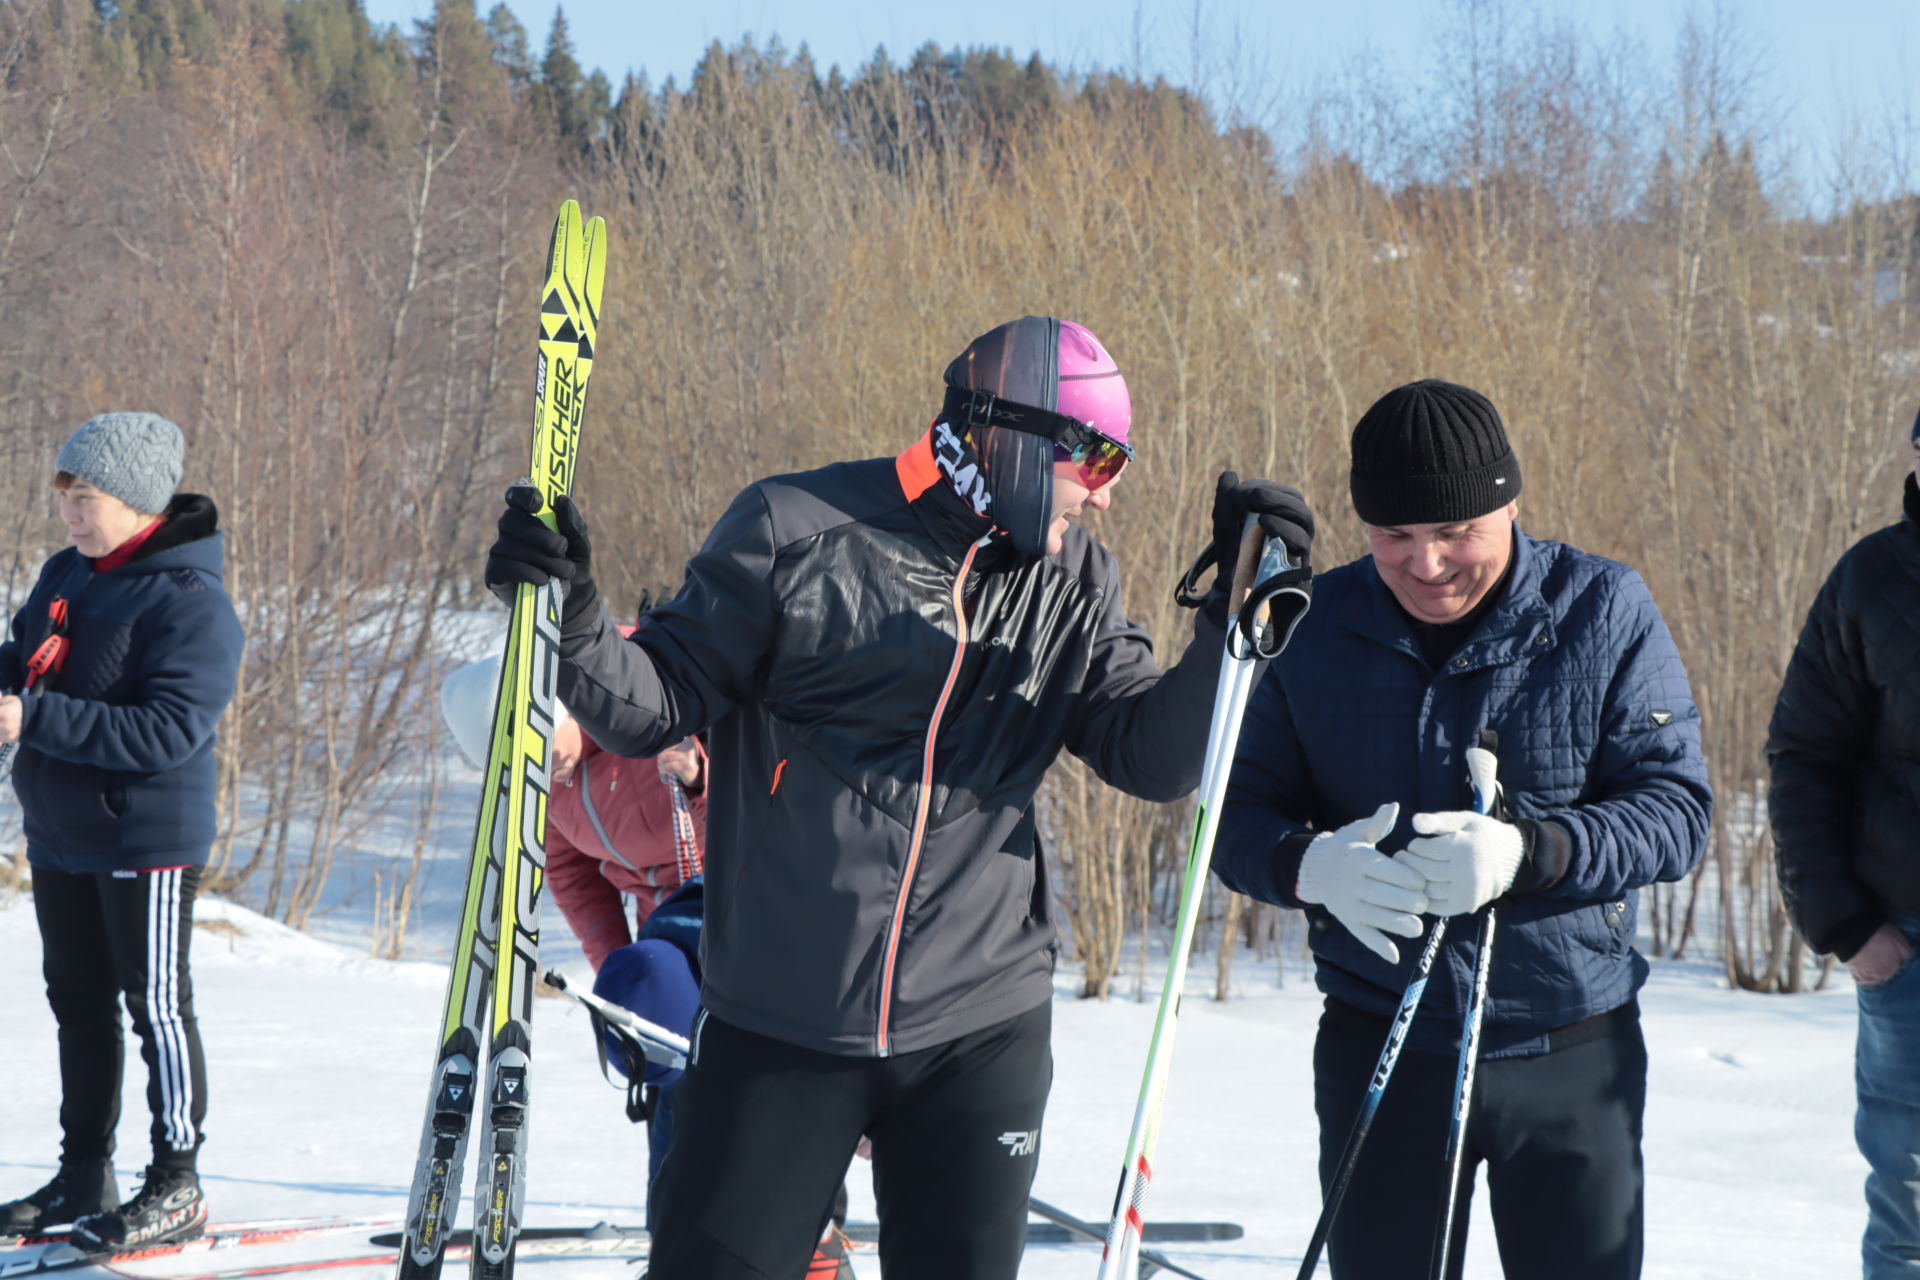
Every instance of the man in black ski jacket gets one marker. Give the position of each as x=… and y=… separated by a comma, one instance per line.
x=889, y=655
x=1844, y=748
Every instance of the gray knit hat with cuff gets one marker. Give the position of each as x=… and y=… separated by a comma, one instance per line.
x=1431, y=452
x=136, y=457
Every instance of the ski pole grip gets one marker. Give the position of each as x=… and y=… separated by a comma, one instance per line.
x=1246, y=568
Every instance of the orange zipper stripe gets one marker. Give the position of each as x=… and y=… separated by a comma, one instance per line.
x=926, y=801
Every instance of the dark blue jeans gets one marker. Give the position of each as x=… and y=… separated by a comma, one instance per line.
x=659, y=1134
x=1886, y=1068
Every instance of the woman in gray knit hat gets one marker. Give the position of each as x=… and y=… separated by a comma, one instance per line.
x=112, y=679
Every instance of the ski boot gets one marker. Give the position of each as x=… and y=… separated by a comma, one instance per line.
x=79, y=1188
x=166, y=1209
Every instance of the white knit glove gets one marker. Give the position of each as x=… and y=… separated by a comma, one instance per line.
x=1368, y=892
x=1466, y=859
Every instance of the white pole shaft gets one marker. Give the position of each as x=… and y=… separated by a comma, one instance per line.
x=1120, y=1260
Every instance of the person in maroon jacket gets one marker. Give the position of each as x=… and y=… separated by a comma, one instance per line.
x=611, y=824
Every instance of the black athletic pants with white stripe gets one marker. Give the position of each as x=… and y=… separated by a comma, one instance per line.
x=763, y=1132
x=105, y=937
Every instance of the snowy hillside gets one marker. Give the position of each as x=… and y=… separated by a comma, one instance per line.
x=318, y=1059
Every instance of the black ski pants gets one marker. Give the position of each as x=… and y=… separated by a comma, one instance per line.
x=763, y=1132
x=108, y=936
x=1559, y=1134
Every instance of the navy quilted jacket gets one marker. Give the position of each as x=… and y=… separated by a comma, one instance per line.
x=1845, y=746
x=115, y=768
x=1599, y=736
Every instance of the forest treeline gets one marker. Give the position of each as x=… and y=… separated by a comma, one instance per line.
x=314, y=243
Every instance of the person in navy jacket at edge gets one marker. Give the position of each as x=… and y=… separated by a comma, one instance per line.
x=1843, y=751
x=1350, y=798
x=116, y=671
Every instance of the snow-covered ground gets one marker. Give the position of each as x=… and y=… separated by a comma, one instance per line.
x=319, y=1057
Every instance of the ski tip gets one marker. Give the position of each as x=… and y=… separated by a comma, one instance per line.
x=596, y=240
x=564, y=224
x=563, y=247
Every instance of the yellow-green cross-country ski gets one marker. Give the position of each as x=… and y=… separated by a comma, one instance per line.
x=490, y=985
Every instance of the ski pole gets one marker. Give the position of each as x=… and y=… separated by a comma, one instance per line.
x=686, y=846
x=1483, y=766
x=1250, y=621
x=1150, y=1260
x=657, y=1044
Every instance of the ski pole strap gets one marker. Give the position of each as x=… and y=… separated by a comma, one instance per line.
x=52, y=653
x=1187, y=592
x=1274, y=608
x=686, y=845
x=1271, y=593
x=639, y=1101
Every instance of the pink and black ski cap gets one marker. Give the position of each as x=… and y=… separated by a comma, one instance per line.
x=994, y=388
x=1048, y=363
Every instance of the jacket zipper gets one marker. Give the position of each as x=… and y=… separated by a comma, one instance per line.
x=593, y=816
x=884, y=1038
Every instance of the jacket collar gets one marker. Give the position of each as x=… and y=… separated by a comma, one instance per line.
x=189, y=518
x=190, y=538
x=1519, y=621
x=947, y=517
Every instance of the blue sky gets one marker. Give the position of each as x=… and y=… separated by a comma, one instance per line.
x=1815, y=55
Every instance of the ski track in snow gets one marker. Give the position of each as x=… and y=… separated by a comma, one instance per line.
x=319, y=1057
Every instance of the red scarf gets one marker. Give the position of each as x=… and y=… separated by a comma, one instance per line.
x=125, y=551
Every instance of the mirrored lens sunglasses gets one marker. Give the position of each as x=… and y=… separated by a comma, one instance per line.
x=1099, y=459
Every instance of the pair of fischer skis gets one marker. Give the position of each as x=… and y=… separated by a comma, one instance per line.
x=489, y=1002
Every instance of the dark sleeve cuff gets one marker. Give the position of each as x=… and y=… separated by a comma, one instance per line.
x=1286, y=867
x=1546, y=852
x=1852, y=934
x=578, y=610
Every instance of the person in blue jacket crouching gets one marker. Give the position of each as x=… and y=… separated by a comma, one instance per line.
x=114, y=675
x=1350, y=798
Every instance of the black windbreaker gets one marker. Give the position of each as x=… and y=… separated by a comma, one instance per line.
x=1844, y=746
x=886, y=688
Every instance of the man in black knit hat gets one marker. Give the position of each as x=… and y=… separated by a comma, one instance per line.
x=1350, y=799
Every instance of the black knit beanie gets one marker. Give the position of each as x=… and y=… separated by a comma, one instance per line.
x=1431, y=452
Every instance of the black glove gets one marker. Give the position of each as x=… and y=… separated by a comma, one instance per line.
x=1283, y=514
x=528, y=551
